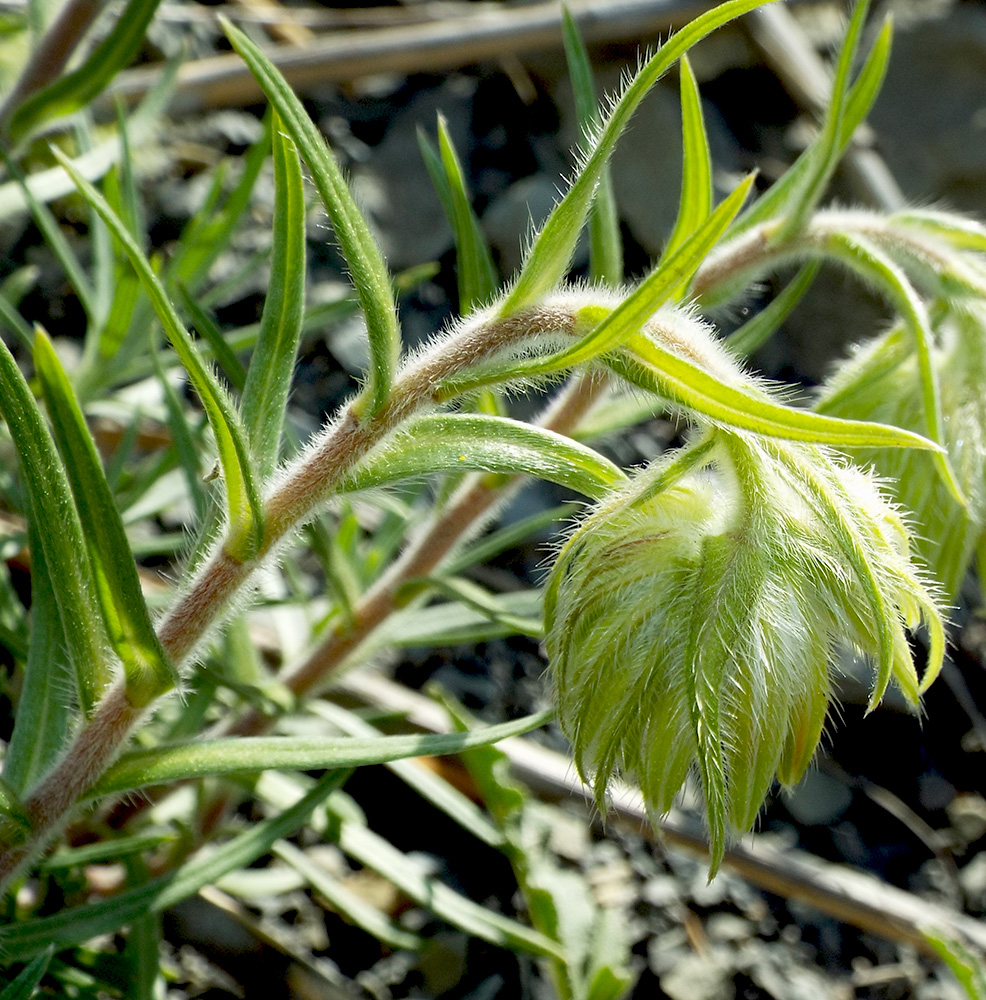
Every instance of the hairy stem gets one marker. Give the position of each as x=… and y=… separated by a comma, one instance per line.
x=472, y=502
x=294, y=497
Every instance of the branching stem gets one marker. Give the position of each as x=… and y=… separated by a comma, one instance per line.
x=294, y=497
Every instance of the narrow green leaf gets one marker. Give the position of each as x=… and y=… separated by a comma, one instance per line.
x=475, y=272
x=967, y=967
x=489, y=768
x=185, y=442
x=75, y=90
x=608, y=330
x=671, y=376
x=828, y=149
x=13, y=288
x=78, y=924
x=128, y=623
x=755, y=332
x=429, y=785
x=23, y=987
x=50, y=504
x=244, y=507
x=877, y=268
x=961, y=233
x=696, y=172
x=354, y=908
x=144, y=954
x=477, y=275
x=374, y=852
x=449, y=441
x=265, y=395
x=44, y=716
x=471, y=595
x=163, y=765
x=775, y=202
x=366, y=264
x=11, y=318
x=605, y=240
x=552, y=249
x=672, y=274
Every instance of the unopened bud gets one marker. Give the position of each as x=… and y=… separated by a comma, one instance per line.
x=693, y=620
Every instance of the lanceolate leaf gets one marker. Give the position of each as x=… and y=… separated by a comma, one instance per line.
x=73, y=91
x=673, y=273
x=554, y=245
x=56, y=241
x=74, y=926
x=52, y=508
x=350, y=904
x=244, y=509
x=229, y=364
x=696, y=173
x=605, y=240
x=779, y=198
x=429, y=785
x=609, y=330
x=874, y=266
x=462, y=441
x=44, y=710
x=366, y=264
x=471, y=595
x=826, y=152
x=475, y=272
x=653, y=367
x=198, y=759
x=125, y=614
x=265, y=395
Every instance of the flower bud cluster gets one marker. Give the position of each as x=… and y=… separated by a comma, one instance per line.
x=881, y=382
x=693, y=620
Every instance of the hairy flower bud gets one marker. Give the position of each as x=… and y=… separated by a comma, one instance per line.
x=693, y=620
x=881, y=382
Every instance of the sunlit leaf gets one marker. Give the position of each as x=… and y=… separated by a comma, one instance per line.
x=44, y=717
x=781, y=195
x=875, y=267
x=475, y=273
x=452, y=441
x=366, y=264
x=244, y=508
x=198, y=759
x=371, y=850
x=351, y=905
x=265, y=395
x=695, y=203
x=128, y=623
x=552, y=249
x=50, y=503
x=75, y=925
x=605, y=239
x=685, y=383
